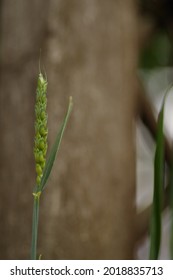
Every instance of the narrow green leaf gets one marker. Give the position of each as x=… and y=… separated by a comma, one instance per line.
x=55, y=148
x=155, y=228
x=171, y=230
x=171, y=208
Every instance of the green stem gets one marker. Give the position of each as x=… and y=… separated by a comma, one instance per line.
x=171, y=212
x=35, y=219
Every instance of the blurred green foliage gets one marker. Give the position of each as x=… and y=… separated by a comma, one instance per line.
x=158, y=53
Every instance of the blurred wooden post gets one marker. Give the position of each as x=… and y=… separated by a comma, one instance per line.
x=90, y=51
x=91, y=54
x=22, y=32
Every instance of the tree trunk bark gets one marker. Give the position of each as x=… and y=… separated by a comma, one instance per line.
x=90, y=52
x=22, y=32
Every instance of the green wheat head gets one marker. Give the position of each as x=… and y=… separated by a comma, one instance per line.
x=43, y=165
x=41, y=129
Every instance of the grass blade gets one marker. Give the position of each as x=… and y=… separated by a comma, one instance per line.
x=171, y=210
x=55, y=148
x=159, y=172
x=155, y=230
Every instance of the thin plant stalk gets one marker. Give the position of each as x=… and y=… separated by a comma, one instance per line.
x=171, y=211
x=35, y=226
x=155, y=229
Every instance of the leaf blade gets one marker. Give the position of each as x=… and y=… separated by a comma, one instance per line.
x=55, y=148
x=155, y=229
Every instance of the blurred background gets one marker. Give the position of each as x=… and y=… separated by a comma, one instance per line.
x=100, y=52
